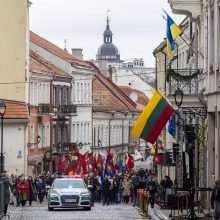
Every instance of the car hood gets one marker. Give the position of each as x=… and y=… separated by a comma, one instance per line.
x=75, y=191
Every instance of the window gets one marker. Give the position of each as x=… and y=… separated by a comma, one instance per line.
x=54, y=95
x=40, y=134
x=85, y=134
x=77, y=92
x=54, y=134
x=60, y=96
x=73, y=93
x=73, y=133
x=32, y=134
x=44, y=137
x=47, y=135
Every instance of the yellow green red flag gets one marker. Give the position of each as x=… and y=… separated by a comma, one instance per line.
x=153, y=118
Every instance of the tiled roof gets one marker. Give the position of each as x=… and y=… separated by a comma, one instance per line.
x=108, y=97
x=38, y=63
x=56, y=50
x=16, y=110
x=142, y=98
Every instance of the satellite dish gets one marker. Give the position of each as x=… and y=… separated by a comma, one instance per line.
x=131, y=83
x=133, y=96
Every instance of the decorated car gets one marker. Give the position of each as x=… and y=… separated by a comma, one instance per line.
x=69, y=193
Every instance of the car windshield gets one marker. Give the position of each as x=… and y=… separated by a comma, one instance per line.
x=68, y=184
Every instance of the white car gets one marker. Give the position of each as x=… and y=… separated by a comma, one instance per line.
x=69, y=193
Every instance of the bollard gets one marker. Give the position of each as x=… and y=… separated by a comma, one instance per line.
x=1, y=197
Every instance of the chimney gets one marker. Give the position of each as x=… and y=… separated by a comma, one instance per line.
x=77, y=52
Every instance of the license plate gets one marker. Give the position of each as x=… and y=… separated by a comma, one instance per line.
x=70, y=200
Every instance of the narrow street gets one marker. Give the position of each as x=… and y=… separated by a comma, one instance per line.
x=40, y=212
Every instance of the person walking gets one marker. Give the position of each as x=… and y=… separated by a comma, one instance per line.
x=127, y=189
x=41, y=190
x=215, y=200
x=23, y=191
x=115, y=189
x=152, y=188
x=6, y=181
x=134, y=188
x=106, y=191
x=31, y=189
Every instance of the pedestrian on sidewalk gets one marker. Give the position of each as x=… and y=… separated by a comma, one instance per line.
x=215, y=200
x=6, y=181
x=23, y=191
x=41, y=190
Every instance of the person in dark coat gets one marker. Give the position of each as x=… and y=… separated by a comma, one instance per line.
x=166, y=183
x=134, y=187
x=6, y=181
x=152, y=188
x=115, y=189
x=32, y=189
x=41, y=189
x=215, y=199
x=106, y=191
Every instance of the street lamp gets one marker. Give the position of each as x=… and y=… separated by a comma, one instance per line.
x=178, y=96
x=2, y=112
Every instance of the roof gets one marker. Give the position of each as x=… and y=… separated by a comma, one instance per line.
x=38, y=63
x=16, y=110
x=56, y=50
x=108, y=97
x=160, y=47
x=142, y=98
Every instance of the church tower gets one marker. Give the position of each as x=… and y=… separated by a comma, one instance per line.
x=108, y=51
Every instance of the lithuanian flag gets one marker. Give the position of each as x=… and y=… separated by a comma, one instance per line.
x=153, y=118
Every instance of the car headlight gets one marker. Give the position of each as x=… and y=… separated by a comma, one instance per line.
x=54, y=197
x=85, y=196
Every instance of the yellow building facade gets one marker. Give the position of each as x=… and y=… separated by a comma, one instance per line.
x=13, y=54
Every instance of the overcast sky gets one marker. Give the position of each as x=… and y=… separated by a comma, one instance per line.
x=137, y=25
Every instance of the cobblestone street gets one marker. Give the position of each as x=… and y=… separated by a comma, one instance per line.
x=40, y=212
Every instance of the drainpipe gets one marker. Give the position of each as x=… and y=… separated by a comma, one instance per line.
x=155, y=71
x=165, y=70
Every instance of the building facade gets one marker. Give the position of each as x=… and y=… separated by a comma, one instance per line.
x=14, y=56
x=15, y=126
x=81, y=87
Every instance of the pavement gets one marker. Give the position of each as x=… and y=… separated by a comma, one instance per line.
x=40, y=212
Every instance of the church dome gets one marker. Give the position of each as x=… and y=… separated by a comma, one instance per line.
x=108, y=51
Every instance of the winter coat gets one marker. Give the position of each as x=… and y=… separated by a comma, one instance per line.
x=23, y=190
x=106, y=186
x=6, y=180
x=41, y=188
x=127, y=187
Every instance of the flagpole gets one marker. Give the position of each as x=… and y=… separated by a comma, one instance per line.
x=188, y=44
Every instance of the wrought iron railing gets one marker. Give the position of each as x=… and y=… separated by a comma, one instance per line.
x=185, y=79
x=45, y=109
x=67, y=109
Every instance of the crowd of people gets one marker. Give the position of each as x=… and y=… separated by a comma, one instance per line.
x=19, y=189
x=121, y=187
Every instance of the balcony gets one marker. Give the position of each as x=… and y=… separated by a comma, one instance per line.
x=188, y=81
x=191, y=8
x=67, y=109
x=62, y=109
x=45, y=109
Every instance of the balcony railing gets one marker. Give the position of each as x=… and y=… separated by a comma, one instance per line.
x=185, y=79
x=45, y=109
x=67, y=109
x=63, y=109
